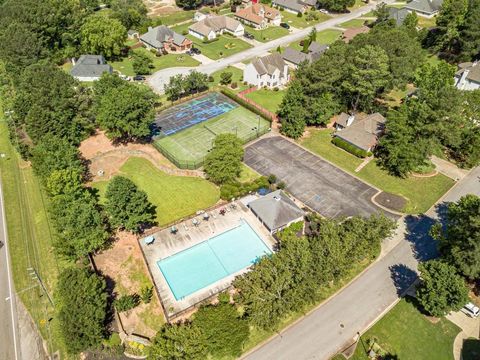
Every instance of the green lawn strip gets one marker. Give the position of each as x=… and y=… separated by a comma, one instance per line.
x=237, y=76
x=407, y=333
x=257, y=336
x=226, y=45
x=370, y=14
x=30, y=238
x=248, y=174
x=354, y=23
x=268, y=34
x=182, y=29
x=174, y=196
x=177, y=17
x=268, y=99
x=399, y=6
x=301, y=22
x=421, y=192
x=328, y=36
x=358, y=3
x=426, y=22
x=125, y=66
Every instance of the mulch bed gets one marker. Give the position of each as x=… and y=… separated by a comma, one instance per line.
x=391, y=201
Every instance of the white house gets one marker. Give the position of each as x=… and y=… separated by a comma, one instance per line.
x=90, y=68
x=270, y=71
x=211, y=26
x=468, y=76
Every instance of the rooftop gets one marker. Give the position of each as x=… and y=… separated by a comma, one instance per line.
x=364, y=132
x=473, y=71
x=256, y=13
x=425, y=6
x=268, y=64
x=290, y=4
x=158, y=35
x=90, y=66
x=215, y=24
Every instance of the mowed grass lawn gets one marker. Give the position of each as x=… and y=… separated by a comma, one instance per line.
x=301, y=22
x=407, y=333
x=226, y=45
x=125, y=66
x=328, y=36
x=237, y=77
x=174, y=196
x=421, y=193
x=268, y=34
x=268, y=99
x=354, y=23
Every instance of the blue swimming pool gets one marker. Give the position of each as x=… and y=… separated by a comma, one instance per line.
x=203, y=264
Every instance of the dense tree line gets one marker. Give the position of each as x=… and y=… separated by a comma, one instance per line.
x=350, y=76
x=182, y=85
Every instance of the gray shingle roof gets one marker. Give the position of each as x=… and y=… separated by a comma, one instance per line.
x=317, y=48
x=398, y=15
x=156, y=36
x=473, y=71
x=215, y=24
x=364, y=133
x=268, y=64
x=424, y=6
x=294, y=56
x=90, y=66
x=276, y=210
x=290, y=4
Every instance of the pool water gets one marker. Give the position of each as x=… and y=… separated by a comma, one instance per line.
x=203, y=264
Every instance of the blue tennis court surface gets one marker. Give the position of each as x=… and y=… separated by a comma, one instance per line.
x=203, y=264
x=193, y=112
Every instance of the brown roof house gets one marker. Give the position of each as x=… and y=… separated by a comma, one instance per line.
x=161, y=38
x=211, y=26
x=259, y=16
x=468, y=76
x=361, y=132
x=276, y=211
x=294, y=57
x=349, y=34
x=268, y=71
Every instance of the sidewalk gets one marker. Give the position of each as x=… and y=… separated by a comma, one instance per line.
x=470, y=329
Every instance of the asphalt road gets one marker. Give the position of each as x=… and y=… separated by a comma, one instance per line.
x=9, y=339
x=161, y=77
x=333, y=325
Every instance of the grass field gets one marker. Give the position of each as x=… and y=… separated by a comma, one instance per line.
x=237, y=76
x=248, y=174
x=268, y=99
x=268, y=34
x=355, y=23
x=421, y=193
x=407, y=333
x=177, y=17
x=328, y=36
x=301, y=22
x=226, y=45
x=159, y=62
x=192, y=144
x=174, y=196
x=30, y=238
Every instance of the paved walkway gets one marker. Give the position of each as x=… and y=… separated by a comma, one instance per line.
x=470, y=329
x=204, y=60
x=448, y=169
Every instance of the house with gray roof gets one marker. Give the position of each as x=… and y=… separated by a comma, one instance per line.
x=292, y=6
x=468, y=76
x=276, y=211
x=398, y=15
x=362, y=132
x=211, y=26
x=90, y=68
x=294, y=57
x=269, y=71
x=425, y=8
x=163, y=39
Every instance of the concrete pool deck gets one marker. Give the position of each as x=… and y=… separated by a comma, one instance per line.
x=167, y=244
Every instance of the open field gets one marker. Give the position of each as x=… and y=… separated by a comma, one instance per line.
x=159, y=62
x=268, y=99
x=301, y=22
x=177, y=17
x=174, y=196
x=30, y=238
x=226, y=45
x=404, y=331
x=191, y=145
x=421, y=192
x=268, y=34
x=328, y=36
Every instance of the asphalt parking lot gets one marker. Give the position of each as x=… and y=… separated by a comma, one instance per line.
x=318, y=184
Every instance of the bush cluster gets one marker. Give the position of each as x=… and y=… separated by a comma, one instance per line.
x=350, y=148
x=237, y=189
x=127, y=302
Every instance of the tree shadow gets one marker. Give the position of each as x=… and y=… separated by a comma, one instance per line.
x=418, y=234
x=471, y=349
x=403, y=277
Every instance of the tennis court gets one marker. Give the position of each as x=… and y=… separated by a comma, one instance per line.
x=188, y=148
x=193, y=112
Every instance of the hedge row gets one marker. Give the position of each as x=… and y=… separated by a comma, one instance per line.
x=245, y=104
x=236, y=189
x=350, y=148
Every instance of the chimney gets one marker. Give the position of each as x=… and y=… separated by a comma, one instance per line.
x=351, y=118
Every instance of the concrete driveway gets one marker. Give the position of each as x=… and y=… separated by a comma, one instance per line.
x=317, y=183
x=158, y=80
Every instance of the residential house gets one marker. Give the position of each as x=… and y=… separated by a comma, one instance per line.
x=90, y=68
x=349, y=34
x=212, y=26
x=133, y=34
x=468, y=76
x=361, y=132
x=398, y=15
x=276, y=211
x=292, y=6
x=163, y=39
x=343, y=121
x=259, y=16
x=425, y=8
x=270, y=71
x=199, y=16
x=294, y=57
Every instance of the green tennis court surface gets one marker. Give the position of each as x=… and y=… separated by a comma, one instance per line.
x=188, y=148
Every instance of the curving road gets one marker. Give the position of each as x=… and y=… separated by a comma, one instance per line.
x=161, y=77
x=334, y=324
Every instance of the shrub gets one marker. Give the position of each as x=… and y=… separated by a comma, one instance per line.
x=350, y=148
x=224, y=297
x=153, y=51
x=299, y=15
x=211, y=79
x=126, y=302
x=237, y=189
x=146, y=294
x=272, y=179
x=234, y=85
x=185, y=32
x=281, y=185
x=226, y=77
x=276, y=88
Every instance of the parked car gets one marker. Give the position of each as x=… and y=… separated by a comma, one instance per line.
x=124, y=77
x=285, y=25
x=195, y=51
x=325, y=11
x=471, y=310
x=139, y=78
x=248, y=36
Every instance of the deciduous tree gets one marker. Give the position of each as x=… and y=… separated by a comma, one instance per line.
x=142, y=64
x=101, y=35
x=223, y=162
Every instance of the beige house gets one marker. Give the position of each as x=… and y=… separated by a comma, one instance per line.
x=211, y=26
x=269, y=71
x=362, y=132
x=259, y=16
